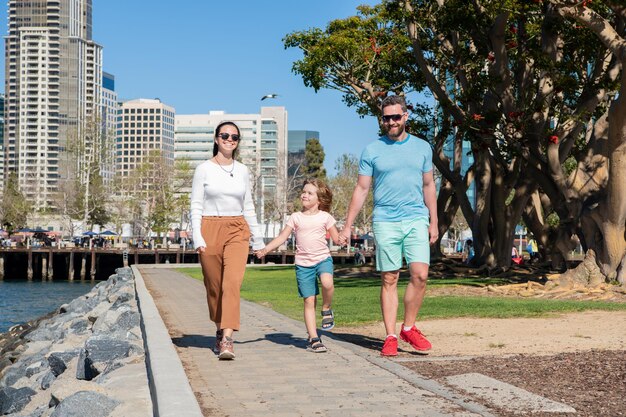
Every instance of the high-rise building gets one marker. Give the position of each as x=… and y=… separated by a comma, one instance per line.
x=1, y=143
x=53, y=79
x=263, y=149
x=144, y=127
x=296, y=149
x=110, y=108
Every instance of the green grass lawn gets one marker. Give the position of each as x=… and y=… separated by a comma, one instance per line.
x=356, y=300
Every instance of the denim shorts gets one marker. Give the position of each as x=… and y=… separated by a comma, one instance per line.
x=306, y=276
x=408, y=238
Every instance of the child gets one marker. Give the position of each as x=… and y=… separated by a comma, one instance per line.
x=312, y=256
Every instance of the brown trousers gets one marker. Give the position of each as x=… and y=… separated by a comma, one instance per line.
x=223, y=266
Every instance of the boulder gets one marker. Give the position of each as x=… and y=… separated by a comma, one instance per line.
x=85, y=403
x=46, y=380
x=57, y=363
x=107, y=349
x=13, y=400
x=85, y=370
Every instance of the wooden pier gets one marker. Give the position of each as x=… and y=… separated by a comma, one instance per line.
x=49, y=263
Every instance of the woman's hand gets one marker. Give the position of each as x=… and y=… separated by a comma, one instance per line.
x=260, y=253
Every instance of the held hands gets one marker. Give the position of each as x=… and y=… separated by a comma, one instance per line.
x=344, y=236
x=260, y=253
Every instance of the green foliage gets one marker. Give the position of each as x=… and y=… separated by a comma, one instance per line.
x=365, y=57
x=14, y=208
x=98, y=198
x=314, y=160
x=553, y=220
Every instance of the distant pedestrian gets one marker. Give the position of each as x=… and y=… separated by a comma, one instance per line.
x=223, y=219
x=313, y=258
x=531, y=248
x=399, y=166
x=468, y=251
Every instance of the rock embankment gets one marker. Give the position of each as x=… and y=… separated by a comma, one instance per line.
x=87, y=359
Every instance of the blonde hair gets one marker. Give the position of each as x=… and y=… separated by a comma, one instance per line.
x=324, y=195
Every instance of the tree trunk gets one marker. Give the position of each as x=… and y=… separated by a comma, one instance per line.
x=612, y=257
x=480, y=223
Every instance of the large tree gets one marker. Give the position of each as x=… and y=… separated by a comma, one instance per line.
x=14, y=208
x=597, y=183
x=83, y=194
x=518, y=82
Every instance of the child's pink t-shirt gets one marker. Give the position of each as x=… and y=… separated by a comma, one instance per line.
x=311, y=245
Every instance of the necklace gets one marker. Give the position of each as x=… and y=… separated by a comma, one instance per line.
x=223, y=169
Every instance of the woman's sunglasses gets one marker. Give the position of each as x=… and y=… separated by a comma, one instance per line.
x=234, y=137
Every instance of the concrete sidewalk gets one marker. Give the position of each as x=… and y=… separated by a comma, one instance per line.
x=274, y=375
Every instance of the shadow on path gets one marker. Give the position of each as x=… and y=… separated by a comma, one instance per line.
x=203, y=341
x=367, y=342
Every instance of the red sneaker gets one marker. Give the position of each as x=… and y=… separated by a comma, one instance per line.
x=415, y=338
x=390, y=348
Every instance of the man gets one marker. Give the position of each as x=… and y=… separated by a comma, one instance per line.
x=405, y=218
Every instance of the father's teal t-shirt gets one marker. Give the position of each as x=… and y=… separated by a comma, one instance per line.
x=397, y=169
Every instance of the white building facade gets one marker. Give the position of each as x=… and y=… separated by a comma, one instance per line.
x=263, y=149
x=143, y=127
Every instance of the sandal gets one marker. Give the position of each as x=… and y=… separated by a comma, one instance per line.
x=328, y=319
x=315, y=345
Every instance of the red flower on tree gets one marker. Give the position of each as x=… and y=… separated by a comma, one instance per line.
x=477, y=117
x=554, y=139
x=374, y=47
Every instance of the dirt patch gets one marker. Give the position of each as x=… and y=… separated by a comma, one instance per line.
x=592, y=382
x=578, y=359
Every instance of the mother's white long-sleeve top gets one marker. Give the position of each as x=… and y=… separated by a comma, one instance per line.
x=215, y=192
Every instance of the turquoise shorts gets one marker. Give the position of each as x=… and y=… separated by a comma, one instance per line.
x=306, y=276
x=395, y=239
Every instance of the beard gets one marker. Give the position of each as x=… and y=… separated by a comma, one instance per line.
x=396, y=131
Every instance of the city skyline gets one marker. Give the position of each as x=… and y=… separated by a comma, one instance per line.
x=197, y=61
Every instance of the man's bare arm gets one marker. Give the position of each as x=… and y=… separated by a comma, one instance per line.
x=430, y=199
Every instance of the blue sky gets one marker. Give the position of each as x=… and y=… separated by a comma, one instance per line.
x=225, y=55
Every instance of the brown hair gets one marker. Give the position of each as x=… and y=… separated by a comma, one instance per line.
x=324, y=195
x=392, y=101
x=217, y=132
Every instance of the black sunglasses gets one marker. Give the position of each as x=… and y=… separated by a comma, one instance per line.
x=395, y=117
x=234, y=137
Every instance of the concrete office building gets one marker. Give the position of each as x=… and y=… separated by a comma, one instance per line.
x=1, y=143
x=263, y=149
x=53, y=76
x=144, y=127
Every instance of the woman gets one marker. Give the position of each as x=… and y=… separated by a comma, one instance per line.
x=222, y=220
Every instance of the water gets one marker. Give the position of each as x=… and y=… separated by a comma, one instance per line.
x=22, y=301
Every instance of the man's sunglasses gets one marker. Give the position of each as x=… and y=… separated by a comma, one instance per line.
x=234, y=137
x=395, y=117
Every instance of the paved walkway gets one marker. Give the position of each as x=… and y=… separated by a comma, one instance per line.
x=274, y=375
